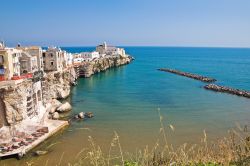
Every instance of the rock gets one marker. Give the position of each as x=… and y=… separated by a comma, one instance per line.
x=103, y=64
x=55, y=116
x=12, y=114
x=55, y=103
x=74, y=83
x=76, y=117
x=64, y=107
x=89, y=115
x=49, y=116
x=63, y=93
x=228, y=90
x=52, y=110
x=81, y=115
x=189, y=75
x=40, y=152
x=57, y=84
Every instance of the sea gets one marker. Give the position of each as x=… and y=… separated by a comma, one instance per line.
x=130, y=100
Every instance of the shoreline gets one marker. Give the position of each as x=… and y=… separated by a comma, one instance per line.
x=18, y=97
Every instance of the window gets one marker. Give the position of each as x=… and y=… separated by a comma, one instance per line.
x=43, y=55
x=1, y=70
x=51, y=63
x=1, y=59
x=51, y=55
x=39, y=95
x=34, y=99
x=24, y=64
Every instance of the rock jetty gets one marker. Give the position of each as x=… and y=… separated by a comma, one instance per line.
x=189, y=75
x=224, y=89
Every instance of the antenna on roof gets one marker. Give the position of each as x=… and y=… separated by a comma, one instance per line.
x=2, y=45
x=105, y=45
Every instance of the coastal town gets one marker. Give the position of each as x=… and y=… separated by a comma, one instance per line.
x=33, y=83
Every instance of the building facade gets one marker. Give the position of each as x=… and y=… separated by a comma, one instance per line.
x=53, y=59
x=104, y=49
x=69, y=59
x=34, y=51
x=89, y=56
x=28, y=63
x=9, y=62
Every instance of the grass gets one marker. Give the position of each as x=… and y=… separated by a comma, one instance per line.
x=232, y=150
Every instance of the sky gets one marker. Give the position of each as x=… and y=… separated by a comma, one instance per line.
x=196, y=23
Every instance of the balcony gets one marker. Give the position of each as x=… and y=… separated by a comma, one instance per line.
x=2, y=78
x=24, y=76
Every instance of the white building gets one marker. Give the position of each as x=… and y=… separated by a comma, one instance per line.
x=28, y=63
x=9, y=62
x=70, y=59
x=89, y=56
x=34, y=51
x=78, y=60
x=110, y=50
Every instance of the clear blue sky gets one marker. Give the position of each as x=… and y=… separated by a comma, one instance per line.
x=126, y=22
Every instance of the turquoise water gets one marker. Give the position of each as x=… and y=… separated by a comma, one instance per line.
x=126, y=99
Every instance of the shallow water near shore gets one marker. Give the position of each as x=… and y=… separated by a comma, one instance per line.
x=126, y=100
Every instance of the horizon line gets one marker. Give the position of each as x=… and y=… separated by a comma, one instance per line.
x=244, y=47
x=169, y=46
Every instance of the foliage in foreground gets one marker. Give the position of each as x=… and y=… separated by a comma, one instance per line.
x=231, y=150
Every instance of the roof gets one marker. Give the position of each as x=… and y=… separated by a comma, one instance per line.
x=29, y=47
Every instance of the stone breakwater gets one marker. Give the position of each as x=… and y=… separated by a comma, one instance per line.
x=102, y=64
x=189, y=75
x=228, y=90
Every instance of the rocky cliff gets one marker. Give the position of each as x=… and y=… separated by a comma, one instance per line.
x=103, y=64
x=13, y=102
x=27, y=100
x=56, y=85
x=31, y=98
